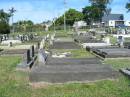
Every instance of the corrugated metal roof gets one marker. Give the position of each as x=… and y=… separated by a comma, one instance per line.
x=106, y=18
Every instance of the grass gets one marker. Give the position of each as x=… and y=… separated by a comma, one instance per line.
x=113, y=40
x=76, y=53
x=118, y=63
x=15, y=84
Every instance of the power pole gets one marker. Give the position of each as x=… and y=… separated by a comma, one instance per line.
x=54, y=24
x=65, y=15
x=12, y=11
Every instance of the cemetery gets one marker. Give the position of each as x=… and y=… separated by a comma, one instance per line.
x=59, y=68
x=69, y=63
x=64, y=53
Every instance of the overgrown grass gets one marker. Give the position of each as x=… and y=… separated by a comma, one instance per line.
x=12, y=83
x=15, y=84
x=75, y=53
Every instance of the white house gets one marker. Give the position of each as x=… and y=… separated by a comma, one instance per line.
x=113, y=20
x=127, y=23
x=115, y=23
x=79, y=24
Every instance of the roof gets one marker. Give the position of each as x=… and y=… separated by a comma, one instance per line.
x=106, y=18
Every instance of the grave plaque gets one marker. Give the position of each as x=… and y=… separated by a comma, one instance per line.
x=28, y=56
x=32, y=51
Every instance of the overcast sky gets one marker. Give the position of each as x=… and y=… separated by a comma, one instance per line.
x=41, y=10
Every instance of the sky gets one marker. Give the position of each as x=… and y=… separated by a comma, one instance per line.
x=43, y=10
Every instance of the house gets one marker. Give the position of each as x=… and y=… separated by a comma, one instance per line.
x=79, y=24
x=127, y=23
x=113, y=20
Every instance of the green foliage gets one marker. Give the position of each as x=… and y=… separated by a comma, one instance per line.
x=97, y=9
x=118, y=63
x=23, y=26
x=91, y=14
x=4, y=28
x=4, y=22
x=72, y=15
x=128, y=6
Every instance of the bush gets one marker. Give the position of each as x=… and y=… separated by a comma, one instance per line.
x=4, y=28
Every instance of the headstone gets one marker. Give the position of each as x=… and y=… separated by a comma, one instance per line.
x=0, y=39
x=10, y=44
x=123, y=31
x=27, y=38
x=51, y=42
x=121, y=41
x=107, y=40
x=31, y=36
x=48, y=36
x=28, y=56
x=42, y=57
x=38, y=45
x=32, y=51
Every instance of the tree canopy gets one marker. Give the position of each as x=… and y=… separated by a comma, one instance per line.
x=91, y=14
x=24, y=26
x=4, y=22
x=72, y=15
x=128, y=6
x=96, y=10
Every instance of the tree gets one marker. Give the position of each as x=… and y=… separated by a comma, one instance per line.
x=72, y=15
x=91, y=14
x=101, y=5
x=4, y=22
x=128, y=6
x=24, y=26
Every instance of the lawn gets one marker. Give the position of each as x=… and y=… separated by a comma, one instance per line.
x=118, y=63
x=15, y=84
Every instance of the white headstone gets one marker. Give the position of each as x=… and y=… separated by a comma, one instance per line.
x=107, y=40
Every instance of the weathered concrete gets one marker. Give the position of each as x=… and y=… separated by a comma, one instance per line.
x=68, y=73
x=113, y=52
x=65, y=45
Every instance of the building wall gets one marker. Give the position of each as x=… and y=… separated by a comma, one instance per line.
x=114, y=23
x=111, y=23
x=127, y=23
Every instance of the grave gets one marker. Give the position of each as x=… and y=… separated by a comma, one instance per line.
x=72, y=61
x=65, y=45
x=98, y=44
x=29, y=59
x=7, y=42
x=113, y=52
x=62, y=70
x=71, y=73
